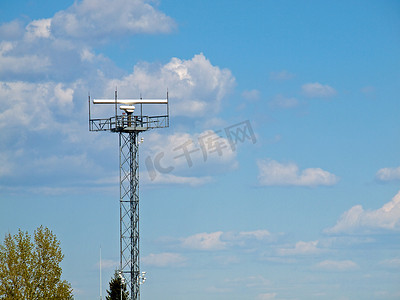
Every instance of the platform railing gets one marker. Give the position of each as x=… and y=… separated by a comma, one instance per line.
x=128, y=123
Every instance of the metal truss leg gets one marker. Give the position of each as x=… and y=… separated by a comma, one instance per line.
x=129, y=211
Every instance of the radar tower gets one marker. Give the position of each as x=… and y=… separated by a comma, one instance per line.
x=129, y=125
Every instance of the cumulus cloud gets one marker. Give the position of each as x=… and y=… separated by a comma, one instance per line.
x=101, y=19
x=24, y=104
x=63, y=96
x=43, y=106
x=391, y=263
x=183, y=158
x=388, y=174
x=260, y=234
x=12, y=30
x=281, y=75
x=280, y=101
x=57, y=47
x=38, y=56
x=266, y=296
x=273, y=173
x=369, y=91
x=69, y=164
x=204, y=241
x=45, y=65
x=33, y=105
x=301, y=248
x=38, y=29
x=196, y=86
x=251, y=94
x=179, y=180
x=318, y=90
x=13, y=62
x=222, y=240
x=337, y=265
x=247, y=239
x=164, y=259
x=358, y=220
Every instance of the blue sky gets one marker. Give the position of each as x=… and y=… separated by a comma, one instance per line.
x=304, y=205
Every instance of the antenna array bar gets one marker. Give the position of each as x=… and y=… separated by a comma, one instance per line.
x=130, y=101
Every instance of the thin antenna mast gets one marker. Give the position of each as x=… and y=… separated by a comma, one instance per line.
x=115, y=98
x=89, y=109
x=101, y=296
x=167, y=108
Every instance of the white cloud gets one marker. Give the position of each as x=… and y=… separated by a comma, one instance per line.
x=246, y=239
x=21, y=63
x=251, y=94
x=57, y=47
x=6, y=47
x=273, y=173
x=281, y=75
x=337, y=265
x=100, y=19
x=38, y=56
x=266, y=296
x=63, y=96
x=317, y=90
x=196, y=86
x=358, y=220
x=222, y=240
x=164, y=259
x=279, y=101
x=42, y=105
x=44, y=66
x=301, y=248
x=25, y=104
x=345, y=241
x=12, y=30
x=388, y=174
x=257, y=234
x=169, y=179
x=391, y=263
x=69, y=164
x=38, y=29
x=204, y=241
x=213, y=122
x=33, y=105
x=87, y=55
x=369, y=91
x=167, y=162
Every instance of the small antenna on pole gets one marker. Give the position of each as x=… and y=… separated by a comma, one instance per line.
x=141, y=109
x=115, y=97
x=101, y=296
x=89, y=109
x=167, y=108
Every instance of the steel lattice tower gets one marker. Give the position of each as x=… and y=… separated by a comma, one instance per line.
x=129, y=126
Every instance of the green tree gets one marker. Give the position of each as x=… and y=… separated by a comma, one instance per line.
x=30, y=270
x=115, y=289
